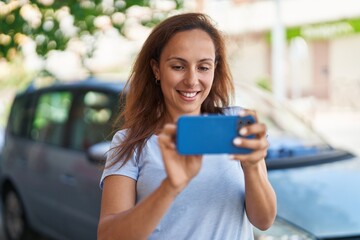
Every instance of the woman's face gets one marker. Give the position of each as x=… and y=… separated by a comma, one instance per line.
x=186, y=71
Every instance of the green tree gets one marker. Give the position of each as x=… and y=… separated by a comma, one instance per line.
x=45, y=21
x=53, y=24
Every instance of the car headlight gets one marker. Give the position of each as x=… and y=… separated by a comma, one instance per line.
x=281, y=230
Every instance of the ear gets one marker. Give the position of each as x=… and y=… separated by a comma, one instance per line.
x=155, y=68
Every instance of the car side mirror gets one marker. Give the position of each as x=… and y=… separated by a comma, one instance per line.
x=97, y=153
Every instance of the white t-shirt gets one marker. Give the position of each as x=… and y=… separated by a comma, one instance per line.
x=210, y=207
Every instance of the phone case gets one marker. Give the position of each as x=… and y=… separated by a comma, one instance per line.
x=210, y=134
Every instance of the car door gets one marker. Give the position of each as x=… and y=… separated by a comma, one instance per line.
x=45, y=153
x=90, y=123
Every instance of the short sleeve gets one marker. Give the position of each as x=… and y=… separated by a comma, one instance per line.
x=130, y=169
x=234, y=110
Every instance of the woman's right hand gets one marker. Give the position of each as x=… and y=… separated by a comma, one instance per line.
x=180, y=169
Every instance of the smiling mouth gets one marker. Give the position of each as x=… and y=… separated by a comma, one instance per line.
x=188, y=94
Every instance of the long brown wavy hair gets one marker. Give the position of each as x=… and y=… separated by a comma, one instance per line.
x=145, y=112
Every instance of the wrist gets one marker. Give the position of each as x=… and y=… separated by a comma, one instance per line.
x=170, y=188
x=251, y=167
x=255, y=171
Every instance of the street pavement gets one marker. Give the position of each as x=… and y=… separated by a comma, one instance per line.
x=2, y=234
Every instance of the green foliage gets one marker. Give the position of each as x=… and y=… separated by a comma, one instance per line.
x=45, y=28
x=264, y=83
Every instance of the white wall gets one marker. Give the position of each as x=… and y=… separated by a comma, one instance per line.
x=248, y=58
x=345, y=71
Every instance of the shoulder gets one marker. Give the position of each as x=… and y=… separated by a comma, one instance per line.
x=118, y=139
x=119, y=136
x=232, y=110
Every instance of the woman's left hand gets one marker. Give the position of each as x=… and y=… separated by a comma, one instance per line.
x=258, y=145
x=260, y=198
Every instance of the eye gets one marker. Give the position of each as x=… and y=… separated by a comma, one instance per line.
x=204, y=69
x=177, y=67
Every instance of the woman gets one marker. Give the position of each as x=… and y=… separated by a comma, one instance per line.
x=152, y=192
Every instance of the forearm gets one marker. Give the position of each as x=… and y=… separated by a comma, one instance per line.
x=140, y=221
x=260, y=198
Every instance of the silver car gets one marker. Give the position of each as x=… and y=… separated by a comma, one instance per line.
x=316, y=184
x=49, y=171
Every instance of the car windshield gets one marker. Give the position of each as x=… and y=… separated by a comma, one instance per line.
x=288, y=135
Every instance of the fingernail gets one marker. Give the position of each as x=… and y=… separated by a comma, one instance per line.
x=237, y=141
x=243, y=131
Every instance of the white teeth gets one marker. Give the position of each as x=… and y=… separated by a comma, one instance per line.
x=188, y=94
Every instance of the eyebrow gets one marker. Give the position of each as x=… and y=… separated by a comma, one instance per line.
x=183, y=60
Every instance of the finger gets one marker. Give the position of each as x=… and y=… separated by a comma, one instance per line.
x=166, y=140
x=255, y=144
x=258, y=129
x=169, y=129
x=245, y=112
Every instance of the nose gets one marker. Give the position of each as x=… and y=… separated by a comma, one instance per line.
x=191, y=78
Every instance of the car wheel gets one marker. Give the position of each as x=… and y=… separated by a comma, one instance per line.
x=15, y=224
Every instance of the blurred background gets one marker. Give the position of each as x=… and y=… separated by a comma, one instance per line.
x=305, y=52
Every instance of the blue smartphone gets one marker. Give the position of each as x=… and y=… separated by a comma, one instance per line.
x=210, y=134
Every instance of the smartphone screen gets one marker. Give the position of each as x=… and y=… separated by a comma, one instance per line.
x=210, y=134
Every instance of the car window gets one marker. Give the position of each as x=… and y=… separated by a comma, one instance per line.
x=280, y=120
x=91, y=119
x=51, y=115
x=288, y=135
x=20, y=112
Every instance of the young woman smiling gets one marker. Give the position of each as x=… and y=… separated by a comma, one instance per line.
x=152, y=192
